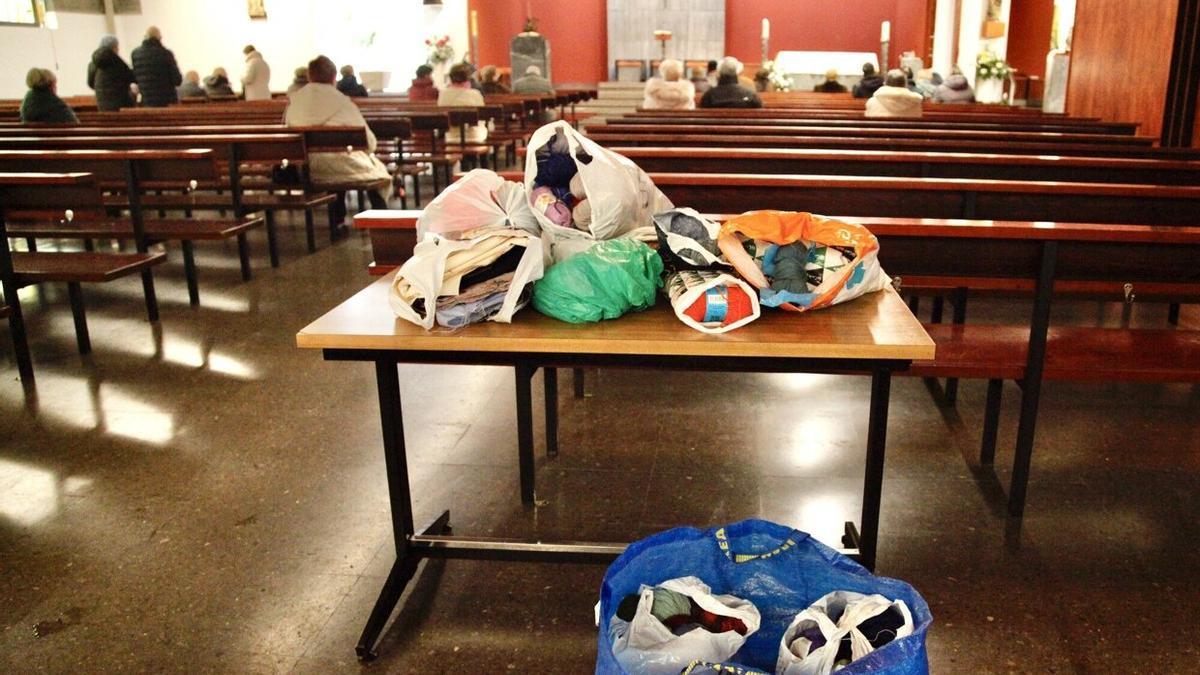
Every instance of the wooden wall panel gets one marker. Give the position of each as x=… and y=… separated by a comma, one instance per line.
x=1121, y=60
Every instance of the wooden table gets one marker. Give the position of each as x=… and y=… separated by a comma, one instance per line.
x=875, y=335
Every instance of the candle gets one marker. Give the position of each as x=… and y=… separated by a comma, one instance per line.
x=474, y=23
x=885, y=32
x=766, y=32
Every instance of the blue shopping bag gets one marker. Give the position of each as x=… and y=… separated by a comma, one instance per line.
x=779, y=569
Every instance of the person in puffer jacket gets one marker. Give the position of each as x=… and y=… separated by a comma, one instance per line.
x=955, y=89
x=670, y=91
x=157, y=74
x=894, y=99
x=110, y=77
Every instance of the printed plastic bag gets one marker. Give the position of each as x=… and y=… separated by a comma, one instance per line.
x=781, y=571
x=707, y=668
x=620, y=196
x=811, y=644
x=833, y=261
x=712, y=302
x=608, y=280
x=688, y=241
x=646, y=645
x=480, y=199
x=437, y=266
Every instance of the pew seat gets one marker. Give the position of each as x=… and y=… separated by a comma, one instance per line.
x=77, y=267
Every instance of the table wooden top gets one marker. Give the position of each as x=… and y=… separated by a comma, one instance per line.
x=33, y=178
x=876, y=326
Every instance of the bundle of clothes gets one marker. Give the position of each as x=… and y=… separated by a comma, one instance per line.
x=558, y=192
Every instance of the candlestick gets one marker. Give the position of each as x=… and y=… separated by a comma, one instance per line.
x=474, y=23
x=766, y=30
x=885, y=32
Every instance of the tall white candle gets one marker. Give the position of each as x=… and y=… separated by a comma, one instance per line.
x=885, y=32
x=766, y=32
x=474, y=23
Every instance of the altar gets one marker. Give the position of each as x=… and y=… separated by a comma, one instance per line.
x=807, y=69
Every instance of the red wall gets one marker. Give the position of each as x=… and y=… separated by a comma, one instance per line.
x=824, y=25
x=577, y=31
x=1029, y=35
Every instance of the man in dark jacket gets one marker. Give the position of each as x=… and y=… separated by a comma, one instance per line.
x=728, y=93
x=870, y=82
x=156, y=71
x=349, y=84
x=110, y=77
x=42, y=104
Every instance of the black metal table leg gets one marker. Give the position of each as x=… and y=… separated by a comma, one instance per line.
x=1173, y=314
x=551, y=386
x=578, y=382
x=396, y=461
x=75, y=292
x=881, y=389
x=244, y=255
x=959, y=299
x=310, y=232
x=272, y=239
x=189, y=272
x=1032, y=384
x=991, y=422
x=524, y=375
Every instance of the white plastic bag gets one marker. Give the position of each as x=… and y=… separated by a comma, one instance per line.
x=645, y=645
x=687, y=286
x=851, y=609
x=621, y=196
x=480, y=199
x=423, y=275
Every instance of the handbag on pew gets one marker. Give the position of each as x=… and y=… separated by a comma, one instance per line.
x=286, y=173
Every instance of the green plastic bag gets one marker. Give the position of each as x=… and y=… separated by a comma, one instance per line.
x=604, y=282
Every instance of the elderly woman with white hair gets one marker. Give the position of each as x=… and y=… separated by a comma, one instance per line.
x=42, y=104
x=669, y=91
x=729, y=92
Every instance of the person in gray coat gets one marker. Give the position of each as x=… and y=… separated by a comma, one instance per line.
x=191, y=87
x=156, y=71
x=110, y=76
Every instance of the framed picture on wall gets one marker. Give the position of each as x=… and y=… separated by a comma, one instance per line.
x=257, y=9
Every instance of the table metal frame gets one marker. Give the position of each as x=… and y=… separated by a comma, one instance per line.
x=434, y=540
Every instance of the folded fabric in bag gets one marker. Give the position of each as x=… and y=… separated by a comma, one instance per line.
x=839, y=629
x=688, y=241
x=439, y=266
x=604, y=282
x=717, y=627
x=840, y=260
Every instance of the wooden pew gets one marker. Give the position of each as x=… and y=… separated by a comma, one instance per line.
x=128, y=171
x=58, y=192
x=942, y=114
x=999, y=138
x=988, y=124
x=914, y=165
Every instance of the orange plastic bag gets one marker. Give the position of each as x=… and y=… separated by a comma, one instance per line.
x=842, y=260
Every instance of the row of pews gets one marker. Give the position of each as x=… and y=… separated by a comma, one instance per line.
x=967, y=201
x=110, y=197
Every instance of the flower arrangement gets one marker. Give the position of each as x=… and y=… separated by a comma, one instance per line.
x=988, y=66
x=440, y=50
x=778, y=80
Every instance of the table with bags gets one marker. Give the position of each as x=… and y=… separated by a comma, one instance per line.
x=876, y=334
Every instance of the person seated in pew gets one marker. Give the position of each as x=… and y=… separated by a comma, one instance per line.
x=711, y=74
x=191, y=87
x=319, y=103
x=156, y=71
x=533, y=83
x=110, y=77
x=299, y=79
x=894, y=99
x=729, y=93
x=831, y=84
x=490, y=81
x=669, y=91
x=700, y=79
x=928, y=82
x=955, y=89
x=870, y=82
x=349, y=84
x=217, y=84
x=256, y=81
x=460, y=94
x=422, y=88
x=42, y=104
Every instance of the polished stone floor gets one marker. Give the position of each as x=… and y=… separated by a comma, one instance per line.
x=201, y=496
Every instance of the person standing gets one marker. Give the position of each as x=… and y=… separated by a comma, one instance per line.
x=256, y=83
x=110, y=77
x=42, y=104
x=156, y=71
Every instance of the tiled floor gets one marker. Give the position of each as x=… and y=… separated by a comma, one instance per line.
x=202, y=496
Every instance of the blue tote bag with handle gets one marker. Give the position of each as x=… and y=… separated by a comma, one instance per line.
x=779, y=569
